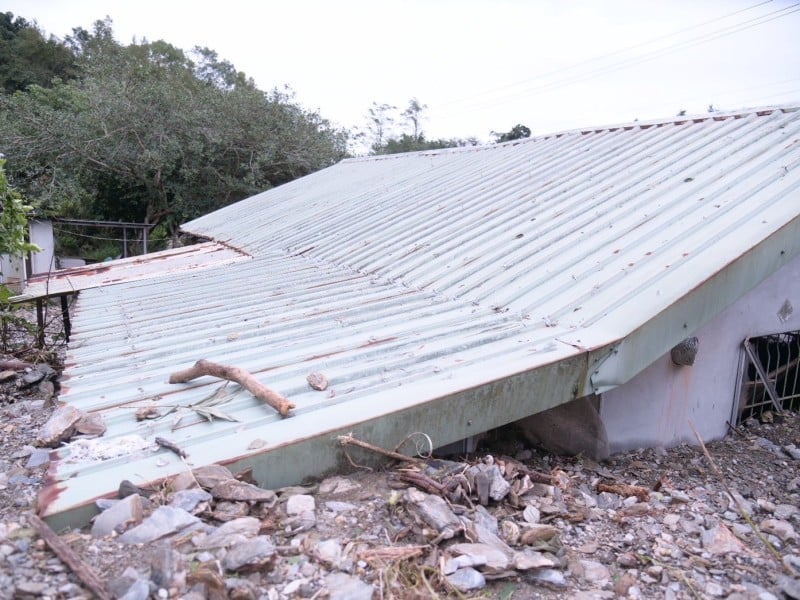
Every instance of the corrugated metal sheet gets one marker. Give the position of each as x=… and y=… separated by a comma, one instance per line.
x=148, y=266
x=448, y=292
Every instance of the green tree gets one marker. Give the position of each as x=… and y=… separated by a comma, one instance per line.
x=27, y=57
x=413, y=114
x=147, y=134
x=381, y=118
x=517, y=132
x=13, y=219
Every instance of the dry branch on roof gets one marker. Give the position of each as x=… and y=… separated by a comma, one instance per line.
x=240, y=376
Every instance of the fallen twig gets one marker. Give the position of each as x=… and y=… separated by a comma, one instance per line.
x=240, y=376
x=349, y=440
x=775, y=554
x=72, y=560
x=622, y=489
x=14, y=364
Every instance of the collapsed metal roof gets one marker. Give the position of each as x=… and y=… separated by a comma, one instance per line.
x=447, y=292
x=148, y=266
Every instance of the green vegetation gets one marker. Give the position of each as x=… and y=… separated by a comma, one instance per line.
x=146, y=133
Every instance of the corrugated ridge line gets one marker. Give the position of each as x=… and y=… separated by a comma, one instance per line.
x=686, y=233
x=395, y=318
x=638, y=230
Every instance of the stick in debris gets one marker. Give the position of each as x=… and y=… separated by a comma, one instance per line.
x=625, y=490
x=171, y=446
x=349, y=440
x=240, y=376
x=13, y=364
x=775, y=554
x=72, y=560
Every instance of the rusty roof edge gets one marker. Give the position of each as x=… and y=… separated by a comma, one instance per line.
x=444, y=419
x=620, y=362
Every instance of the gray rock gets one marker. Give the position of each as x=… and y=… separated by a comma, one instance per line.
x=720, y=540
x=37, y=458
x=231, y=489
x=551, y=577
x=163, y=521
x=530, y=559
x=483, y=554
x=189, y=499
x=165, y=564
x=329, y=552
x=235, y=531
x=250, y=555
x=594, y=572
x=139, y=590
x=466, y=579
x=790, y=586
x=300, y=504
x=335, y=486
x=346, y=587
x=434, y=511
x=118, y=517
x=779, y=528
x=339, y=507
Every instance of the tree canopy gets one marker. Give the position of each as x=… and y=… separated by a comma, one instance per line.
x=27, y=57
x=148, y=133
x=381, y=120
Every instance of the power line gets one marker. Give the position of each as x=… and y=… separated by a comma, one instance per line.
x=604, y=56
x=724, y=32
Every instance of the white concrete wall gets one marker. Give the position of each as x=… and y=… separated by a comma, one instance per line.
x=41, y=234
x=12, y=272
x=654, y=408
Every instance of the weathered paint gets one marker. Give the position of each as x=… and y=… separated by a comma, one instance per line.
x=655, y=407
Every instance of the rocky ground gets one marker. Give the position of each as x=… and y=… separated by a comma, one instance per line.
x=511, y=522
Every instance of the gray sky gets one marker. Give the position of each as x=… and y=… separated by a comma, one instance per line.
x=480, y=65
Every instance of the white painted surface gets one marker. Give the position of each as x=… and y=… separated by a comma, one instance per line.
x=654, y=408
x=41, y=233
x=12, y=272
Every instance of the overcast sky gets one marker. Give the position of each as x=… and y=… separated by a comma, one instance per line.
x=480, y=65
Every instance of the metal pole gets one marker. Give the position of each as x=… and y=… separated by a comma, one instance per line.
x=124, y=242
x=144, y=240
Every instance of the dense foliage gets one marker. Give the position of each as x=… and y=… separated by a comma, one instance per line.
x=147, y=133
x=27, y=57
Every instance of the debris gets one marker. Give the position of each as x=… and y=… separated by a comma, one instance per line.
x=171, y=446
x=317, y=381
x=349, y=440
x=231, y=489
x=119, y=516
x=60, y=427
x=72, y=560
x=640, y=493
x=147, y=412
x=163, y=521
x=14, y=365
x=250, y=555
x=240, y=376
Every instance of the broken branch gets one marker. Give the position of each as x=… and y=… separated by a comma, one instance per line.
x=13, y=364
x=625, y=490
x=349, y=440
x=68, y=557
x=240, y=376
x=742, y=512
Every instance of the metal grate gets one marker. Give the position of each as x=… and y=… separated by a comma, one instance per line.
x=772, y=375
